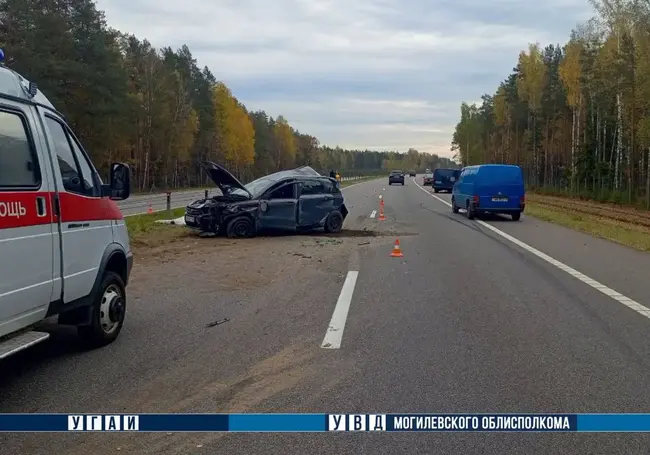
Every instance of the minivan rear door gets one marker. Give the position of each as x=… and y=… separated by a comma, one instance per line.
x=499, y=187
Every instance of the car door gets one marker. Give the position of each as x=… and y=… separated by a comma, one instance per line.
x=27, y=237
x=315, y=202
x=278, y=207
x=85, y=218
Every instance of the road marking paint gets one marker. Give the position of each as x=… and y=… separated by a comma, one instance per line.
x=628, y=302
x=334, y=333
x=373, y=213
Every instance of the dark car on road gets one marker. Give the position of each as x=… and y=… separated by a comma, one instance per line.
x=396, y=177
x=444, y=179
x=411, y=173
x=294, y=200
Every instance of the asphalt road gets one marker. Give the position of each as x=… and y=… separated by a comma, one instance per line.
x=466, y=321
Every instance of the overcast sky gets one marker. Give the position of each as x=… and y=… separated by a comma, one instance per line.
x=378, y=74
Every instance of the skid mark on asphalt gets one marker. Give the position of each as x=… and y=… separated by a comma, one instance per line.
x=628, y=302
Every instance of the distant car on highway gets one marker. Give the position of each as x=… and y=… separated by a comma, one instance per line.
x=294, y=200
x=412, y=174
x=490, y=188
x=444, y=179
x=427, y=179
x=396, y=176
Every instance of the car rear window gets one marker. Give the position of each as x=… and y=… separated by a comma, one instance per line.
x=509, y=175
x=446, y=172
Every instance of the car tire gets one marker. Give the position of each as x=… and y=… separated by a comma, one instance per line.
x=240, y=227
x=107, y=313
x=435, y=190
x=471, y=214
x=454, y=207
x=516, y=216
x=402, y=183
x=334, y=222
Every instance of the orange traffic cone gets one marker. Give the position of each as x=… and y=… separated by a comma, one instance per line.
x=381, y=211
x=397, y=252
x=150, y=210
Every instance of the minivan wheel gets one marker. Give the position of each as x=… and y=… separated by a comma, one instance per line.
x=334, y=222
x=470, y=211
x=107, y=313
x=240, y=227
x=516, y=216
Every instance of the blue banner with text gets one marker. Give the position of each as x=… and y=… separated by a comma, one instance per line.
x=325, y=422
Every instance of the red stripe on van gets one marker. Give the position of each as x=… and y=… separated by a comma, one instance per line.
x=19, y=209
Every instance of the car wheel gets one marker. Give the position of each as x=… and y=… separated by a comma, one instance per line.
x=107, y=313
x=470, y=211
x=334, y=222
x=516, y=216
x=240, y=227
x=435, y=190
x=454, y=207
x=402, y=183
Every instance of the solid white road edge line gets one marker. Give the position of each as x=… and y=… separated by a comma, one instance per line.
x=334, y=333
x=628, y=302
x=373, y=213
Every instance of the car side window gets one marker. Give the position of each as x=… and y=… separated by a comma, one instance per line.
x=75, y=171
x=312, y=187
x=18, y=161
x=284, y=192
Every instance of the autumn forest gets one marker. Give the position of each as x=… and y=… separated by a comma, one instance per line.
x=157, y=109
x=575, y=117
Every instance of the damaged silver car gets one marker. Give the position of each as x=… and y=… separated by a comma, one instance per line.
x=295, y=200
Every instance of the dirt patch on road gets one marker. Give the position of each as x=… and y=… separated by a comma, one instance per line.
x=243, y=264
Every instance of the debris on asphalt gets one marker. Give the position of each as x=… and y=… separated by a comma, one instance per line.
x=219, y=322
x=364, y=243
x=301, y=255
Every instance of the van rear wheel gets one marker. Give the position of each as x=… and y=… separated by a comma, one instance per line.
x=516, y=216
x=107, y=313
x=470, y=211
x=454, y=207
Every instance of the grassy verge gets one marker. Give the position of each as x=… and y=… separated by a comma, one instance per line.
x=145, y=232
x=616, y=230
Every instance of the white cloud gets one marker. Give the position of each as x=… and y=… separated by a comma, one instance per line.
x=363, y=73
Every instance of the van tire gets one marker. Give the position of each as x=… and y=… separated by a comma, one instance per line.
x=454, y=207
x=94, y=335
x=516, y=216
x=240, y=227
x=471, y=214
x=334, y=222
x=435, y=190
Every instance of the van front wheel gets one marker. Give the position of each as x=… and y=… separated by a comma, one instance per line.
x=107, y=313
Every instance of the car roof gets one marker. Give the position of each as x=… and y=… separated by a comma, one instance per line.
x=15, y=86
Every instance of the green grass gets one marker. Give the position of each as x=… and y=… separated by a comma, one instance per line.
x=637, y=237
x=144, y=231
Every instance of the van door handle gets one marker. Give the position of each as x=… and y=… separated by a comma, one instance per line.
x=41, y=207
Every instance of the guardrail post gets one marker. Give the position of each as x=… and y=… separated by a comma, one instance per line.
x=169, y=202
x=206, y=194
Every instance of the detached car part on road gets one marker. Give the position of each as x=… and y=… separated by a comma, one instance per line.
x=396, y=177
x=296, y=200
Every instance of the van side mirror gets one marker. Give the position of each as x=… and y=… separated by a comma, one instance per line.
x=120, y=182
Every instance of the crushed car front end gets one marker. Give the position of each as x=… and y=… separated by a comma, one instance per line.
x=213, y=214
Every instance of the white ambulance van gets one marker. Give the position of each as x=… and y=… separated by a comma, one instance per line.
x=64, y=246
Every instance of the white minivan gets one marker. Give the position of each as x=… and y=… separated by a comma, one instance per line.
x=64, y=246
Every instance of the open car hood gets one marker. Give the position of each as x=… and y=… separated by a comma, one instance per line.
x=224, y=179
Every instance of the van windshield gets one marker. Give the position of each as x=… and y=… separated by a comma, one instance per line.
x=507, y=175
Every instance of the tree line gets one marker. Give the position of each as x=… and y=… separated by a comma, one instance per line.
x=157, y=109
x=576, y=117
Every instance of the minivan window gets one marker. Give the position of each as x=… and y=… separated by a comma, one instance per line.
x=75, y=172
x=508, y=175
x=18, y=163
x=448, y=173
